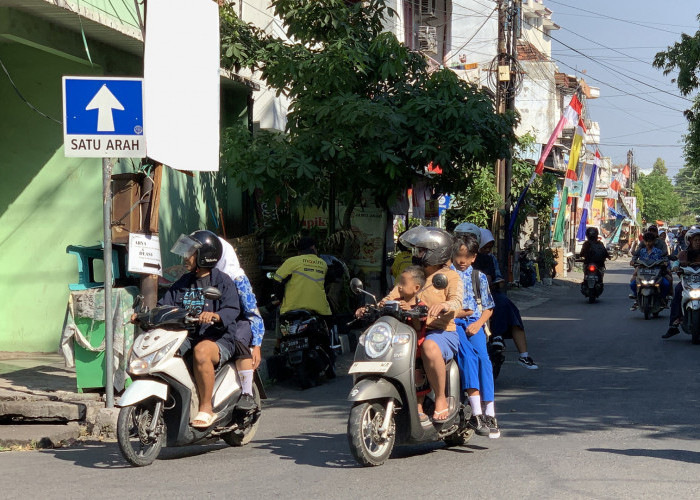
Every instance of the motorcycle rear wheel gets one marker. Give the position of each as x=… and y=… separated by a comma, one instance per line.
x=614, y=255
x=694, y=327
x=368, y=448
x=238, y=438
x=136, y=446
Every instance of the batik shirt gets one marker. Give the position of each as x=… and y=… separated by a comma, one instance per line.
x=655, y=254
x=250, y=308
x=469, y=300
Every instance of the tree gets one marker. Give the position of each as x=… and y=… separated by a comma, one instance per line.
x=684, y=57
x=661, y=202
x=659, y=167
x=366, y=114
x=688, y=189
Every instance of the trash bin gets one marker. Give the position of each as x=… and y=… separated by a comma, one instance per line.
x=89, y=365
x=82, y=342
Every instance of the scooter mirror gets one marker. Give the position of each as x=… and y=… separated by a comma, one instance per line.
x=356, y=286
x=440, y=281
x=212, y=293
x=270, y=275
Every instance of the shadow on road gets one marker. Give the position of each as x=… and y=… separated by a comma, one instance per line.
x=312, y=448
x=690, y=457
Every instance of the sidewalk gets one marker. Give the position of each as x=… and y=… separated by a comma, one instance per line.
x=38, y=389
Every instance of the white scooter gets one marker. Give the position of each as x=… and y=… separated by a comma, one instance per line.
x=158, y=406
x=690, y=301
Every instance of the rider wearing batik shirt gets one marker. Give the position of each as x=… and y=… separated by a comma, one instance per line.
x=229, y=264
x=649, y=253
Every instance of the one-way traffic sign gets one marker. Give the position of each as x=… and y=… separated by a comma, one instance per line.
x=103, y=117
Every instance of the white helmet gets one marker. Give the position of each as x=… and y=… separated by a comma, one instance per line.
x=469, y=228
x=689, y=235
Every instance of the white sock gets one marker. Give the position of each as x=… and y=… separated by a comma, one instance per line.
x=524, y=354
x=246, y=381
x=475, y=402
x=490, y=409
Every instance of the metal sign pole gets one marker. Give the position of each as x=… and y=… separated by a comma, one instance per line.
x=109, y=315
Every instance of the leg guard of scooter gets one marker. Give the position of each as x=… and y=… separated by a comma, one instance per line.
x=143, y=389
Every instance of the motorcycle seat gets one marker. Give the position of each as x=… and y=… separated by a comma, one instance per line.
x=296, y=314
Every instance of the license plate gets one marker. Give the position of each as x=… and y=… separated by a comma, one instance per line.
x=294, y=344
x=370, y=367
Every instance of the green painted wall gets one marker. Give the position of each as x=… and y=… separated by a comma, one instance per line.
x=48, y=201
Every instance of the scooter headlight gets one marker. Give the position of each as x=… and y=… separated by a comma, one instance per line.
x=141, y=366
x=378, y=340
x=694, y=294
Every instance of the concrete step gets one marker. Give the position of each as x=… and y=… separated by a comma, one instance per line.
x=40, y=436
x=41, y=411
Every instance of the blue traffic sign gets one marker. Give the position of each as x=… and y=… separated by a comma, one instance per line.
x=103, y=117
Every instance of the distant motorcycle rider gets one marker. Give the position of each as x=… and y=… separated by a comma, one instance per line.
x=593, y=251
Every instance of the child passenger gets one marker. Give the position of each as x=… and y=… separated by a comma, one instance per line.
x=478, y=306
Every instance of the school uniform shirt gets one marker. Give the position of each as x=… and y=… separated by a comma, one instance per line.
x=306, y=275
x=469, y=302
x=453, y=295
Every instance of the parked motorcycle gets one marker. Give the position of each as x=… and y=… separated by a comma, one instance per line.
x=528, y=274
x=384, y=394
x=306, y=344
x=159, y=404
x=592, y=285
x=649, y=296
x=690, y=301
x=614, y=251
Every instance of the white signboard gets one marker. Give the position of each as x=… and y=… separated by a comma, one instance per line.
x=103, y=117
x=144, y=254
x=181, y=78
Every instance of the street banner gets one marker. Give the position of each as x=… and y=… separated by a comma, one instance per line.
x=570, y=117
x=581, y=233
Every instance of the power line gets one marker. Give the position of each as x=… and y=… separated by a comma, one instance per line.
x=614, y=18
x=31, y=106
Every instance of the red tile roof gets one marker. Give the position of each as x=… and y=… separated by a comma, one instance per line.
x=528, y=52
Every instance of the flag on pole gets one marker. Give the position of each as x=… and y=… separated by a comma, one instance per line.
x=574, y=154
x=570, y=117
x=581, y=233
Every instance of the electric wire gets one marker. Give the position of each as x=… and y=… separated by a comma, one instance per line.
x=17, y=91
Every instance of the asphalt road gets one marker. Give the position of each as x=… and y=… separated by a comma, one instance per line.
x=613, y=412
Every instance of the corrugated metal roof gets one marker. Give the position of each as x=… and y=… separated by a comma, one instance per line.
x=95, y=24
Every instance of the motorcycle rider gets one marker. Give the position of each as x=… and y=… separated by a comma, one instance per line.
x=223, y=332
x=593, y=251
x=506, y=322
x=650, y=252
x=302, y=279
x=432, y=250
x=229, y=264
x=475, y=364
x=685, y=258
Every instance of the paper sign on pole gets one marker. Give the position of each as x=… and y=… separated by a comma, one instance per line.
x=181, y=78
x=144, y=254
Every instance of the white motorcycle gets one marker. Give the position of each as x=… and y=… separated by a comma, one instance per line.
x=158, y=406
x=690, y=301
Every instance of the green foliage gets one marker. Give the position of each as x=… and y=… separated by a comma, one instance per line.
x=684, y=57
x=661, y=202
x=365, y=114
x=687, y=186
x=640, y=202
x=659, y=167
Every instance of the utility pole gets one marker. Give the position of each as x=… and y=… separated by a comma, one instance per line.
x=505, y=100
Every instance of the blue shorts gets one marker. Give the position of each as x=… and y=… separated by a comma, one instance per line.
x=448, y=342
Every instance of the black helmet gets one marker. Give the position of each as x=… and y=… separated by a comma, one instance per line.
x=432, y=244
x=592, y=233
x=205, y=243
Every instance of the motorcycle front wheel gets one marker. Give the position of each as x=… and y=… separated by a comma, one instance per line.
x=140, y=446
x=366, y=445
x=614, y=255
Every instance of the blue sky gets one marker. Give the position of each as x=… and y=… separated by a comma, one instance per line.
x=642, y=28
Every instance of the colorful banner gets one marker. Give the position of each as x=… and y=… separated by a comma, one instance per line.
x=570, y=117
x=581, y=233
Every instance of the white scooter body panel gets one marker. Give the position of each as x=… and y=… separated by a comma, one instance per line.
x=230, y=383
x=143, y=389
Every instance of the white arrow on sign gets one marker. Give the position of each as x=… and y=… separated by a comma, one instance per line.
x=104, y=102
